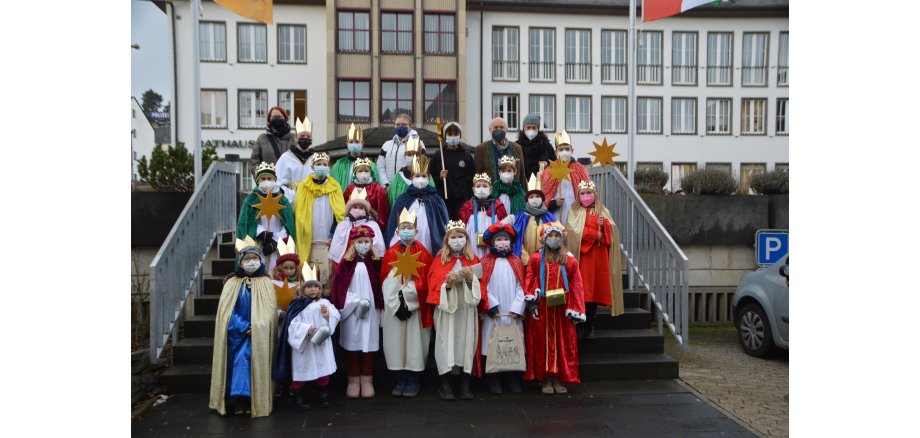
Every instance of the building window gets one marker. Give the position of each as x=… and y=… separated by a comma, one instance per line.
x=782, y=116
x=718, y=116
x=440, y=34
x=648, y=115
x=578, y=55
x=613, y=56
x=649, y=58
x=133, y=113
x=651, y=165
x=294, y=102
x=247, y=183
x=292, y=44
x=782, y=75
x=683, y=115
x=754, y=59
x=678, y=172
x=623, y=167
x=396, y=32
x=505, y=53
x=354, y=101
x=748, y=171
x=395, y=98
x=213, y=108
x=781, y=167
x=134, y=133
x=212, y=41
x=613, y=115
x=578, y=113
x=545, y=106
x=440, y=101
x=719, y=59
x=251, y=42
x=354, y=33
x=721, y=167
x=542, y=61
x=506, y=107
x=683, y=58
x=753, y=116
x=253, y=108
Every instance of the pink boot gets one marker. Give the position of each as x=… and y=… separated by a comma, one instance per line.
x=353, y=390
x=367, y=386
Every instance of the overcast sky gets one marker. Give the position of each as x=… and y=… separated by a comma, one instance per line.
x=150, y=64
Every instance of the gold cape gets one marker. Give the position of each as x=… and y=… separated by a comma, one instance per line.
x=307, y=191
x=575, y=226
x=264, y=327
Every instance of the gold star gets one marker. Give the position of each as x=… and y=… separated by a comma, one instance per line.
x=284, y=294
x=269, y=206
x=407, y=264
x=604, y=154
x=559, y=170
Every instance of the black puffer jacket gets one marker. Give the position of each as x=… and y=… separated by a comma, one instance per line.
x=536, y=150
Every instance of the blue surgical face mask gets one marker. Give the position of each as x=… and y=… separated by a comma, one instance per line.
x=354, y=147
x=407, y=235
x=498, y=135
x=321, y=171
x=402, y=131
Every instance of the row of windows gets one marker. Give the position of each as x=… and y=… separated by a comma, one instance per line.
x=354, y=100
x=353, y=32
x=649, y=116
x=541, y=61
x=252, y=42
x=252, y=106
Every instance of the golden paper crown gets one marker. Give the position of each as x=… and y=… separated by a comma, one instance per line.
x=244, y=243
x=286, y=248
x=358, y=194
x=320, y=156
x=587, y=184
x=534, y=183
x=413, y=146
x=362, y=162
x=309, y=273
x=562, y=137
x=482, y=177
x=420, y=164
x=507, y=159
x=304, y=126
x=455, y=225
x=263, y=166
x=406, y=216
x=355, y=134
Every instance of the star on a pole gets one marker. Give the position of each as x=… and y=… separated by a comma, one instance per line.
x=269, y=206
x=407, y=264
x=285, y=290
x=604, y=154
x=559, y=170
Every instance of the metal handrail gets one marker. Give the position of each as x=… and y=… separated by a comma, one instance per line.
x=176, y=270
x=652, y=257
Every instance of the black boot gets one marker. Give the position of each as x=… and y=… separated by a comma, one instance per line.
x=444, y=390
x=302, y=398
x=591, y=317
x=465, y=392
x=323, y=396
x=495, y=384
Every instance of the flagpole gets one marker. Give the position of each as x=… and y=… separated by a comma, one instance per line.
x=632, y=65
x=196, y=93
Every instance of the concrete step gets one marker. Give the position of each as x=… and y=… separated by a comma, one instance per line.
x=221, y=267
x=189, y=351
x=187, y=378
x=212, y=285
x=622, y=341
x=206, y=305
x=199, y=327
x=226, y=250
x=634, y=298
x=632, y=318
x=624, y=366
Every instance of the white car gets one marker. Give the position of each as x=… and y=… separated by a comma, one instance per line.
x=761, y=309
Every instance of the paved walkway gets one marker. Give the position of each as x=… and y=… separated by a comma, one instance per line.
x=751, y=390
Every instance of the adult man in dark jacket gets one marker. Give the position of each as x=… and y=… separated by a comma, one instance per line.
x=458, y=171
x=536, y=146
x=490, y=151
x=276, y=139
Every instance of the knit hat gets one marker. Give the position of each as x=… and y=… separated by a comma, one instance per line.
x=287, y=251
x=358, y=197
x=498, y=229
x=455, y=124
x=531, y=119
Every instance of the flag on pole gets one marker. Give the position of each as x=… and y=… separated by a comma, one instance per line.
x=259, y=10
x=655, y=9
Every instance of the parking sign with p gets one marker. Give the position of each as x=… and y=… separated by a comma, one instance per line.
x=770, y=246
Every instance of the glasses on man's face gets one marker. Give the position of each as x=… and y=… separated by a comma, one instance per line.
x=403, y=125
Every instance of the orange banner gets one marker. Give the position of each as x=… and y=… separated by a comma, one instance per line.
x=259, y=10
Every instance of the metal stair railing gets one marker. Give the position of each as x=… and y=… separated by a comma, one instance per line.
x=652, y=257
x=175, y=272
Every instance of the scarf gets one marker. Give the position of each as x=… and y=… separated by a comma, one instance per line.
x=535, y=211
x=278, y=134
x=515, y=192
x=301, y=155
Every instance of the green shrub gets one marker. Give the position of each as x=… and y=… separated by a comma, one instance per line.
x=709, y=182
x=771, y=183
x=173, y=169
x=650, y=180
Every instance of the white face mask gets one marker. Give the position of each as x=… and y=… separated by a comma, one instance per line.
x=420, y=183
x=452, y=140
x=564, y=155
x=530, y=134
x=362, y=248
x=482, y=192
x=506, y=177
x=251, y=266
x=363, y=177
x=266, y=186
x=456, y=243
x=535, y=202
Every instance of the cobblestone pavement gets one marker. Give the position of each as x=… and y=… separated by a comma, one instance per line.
x=753, y=391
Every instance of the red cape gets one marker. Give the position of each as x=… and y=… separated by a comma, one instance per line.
x=467, y=210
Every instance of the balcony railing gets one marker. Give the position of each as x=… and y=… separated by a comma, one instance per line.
x=649, y=74
x=578, y=71
x=505, y=70
x=754, y=75
x=542, y=70
x=613, y=73
x=718, y=75
x=683, y=74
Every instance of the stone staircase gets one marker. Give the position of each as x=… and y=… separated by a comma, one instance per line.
x=626, y=347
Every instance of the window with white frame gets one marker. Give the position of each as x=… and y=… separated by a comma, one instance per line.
x=440, y=34
x=354, y=32
x=396, y=98
x=213, y=108
x=754, y=59
x=253, y=108
x=251, y=42
x=683, y=58
x=506, y=106
x=440, y=101
x=578, y=113
x=577, y=55
x=613, y=56
x=748, y=172
x=753, y=116
x=678, y=172
x=782, y=116
x=719, y=59
x=505, y=61
x=782, y=74
x=649, y=57
x=292, y=44
x=648, y=115
x=613, y=115
x=396, y=32
x=212, y=41
x=545, y=106
x=683, y=115
x=542, y=61
x=721, y=167
x=718, y=116
x=294, y=102
x=354, y=101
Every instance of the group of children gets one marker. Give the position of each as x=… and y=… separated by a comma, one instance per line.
x=312, y=265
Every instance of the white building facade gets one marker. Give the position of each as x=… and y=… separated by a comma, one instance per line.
x=143, y=137
x=712, y=90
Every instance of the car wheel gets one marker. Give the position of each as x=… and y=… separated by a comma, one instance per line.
x=754, y=331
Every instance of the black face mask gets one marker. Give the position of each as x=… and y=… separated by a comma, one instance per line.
x=304, y=142
x=278, y=123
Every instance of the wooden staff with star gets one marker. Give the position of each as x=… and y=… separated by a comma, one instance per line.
x=269, y=206
x=443, y=163
x=603, y=155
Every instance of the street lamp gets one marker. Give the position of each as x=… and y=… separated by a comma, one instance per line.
x=136, y=46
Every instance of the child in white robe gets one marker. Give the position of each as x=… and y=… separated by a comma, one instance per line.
x=311, y=361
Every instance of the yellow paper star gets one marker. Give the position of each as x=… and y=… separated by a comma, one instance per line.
x=284, y=294
x=604, y=154
x=559, y=170
x=269, y=206
x=407, y=264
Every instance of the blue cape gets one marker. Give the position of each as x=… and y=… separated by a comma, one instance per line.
x=520, y=225
x=281, y=365
x=435, y=212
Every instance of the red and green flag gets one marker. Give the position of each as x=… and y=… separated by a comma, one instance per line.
x=656, y=9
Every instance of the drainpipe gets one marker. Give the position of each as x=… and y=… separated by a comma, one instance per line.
x=174, y=108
